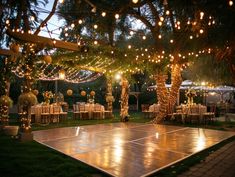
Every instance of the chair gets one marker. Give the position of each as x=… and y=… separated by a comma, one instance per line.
x=55, y=113
x=83, y=114
x=97, y=113
x=209, y=117
x=45, y=114
x=108, y=114
x=33, y=115
x=63, y=115
x=145, y=111
x=75, y=111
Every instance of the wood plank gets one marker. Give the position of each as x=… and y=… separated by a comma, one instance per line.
x=44, y=41
x=6, y=52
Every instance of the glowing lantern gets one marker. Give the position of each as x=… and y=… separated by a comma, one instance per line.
x=61, y=74
x=83, y=93
x=92, y=93
x=69, y=92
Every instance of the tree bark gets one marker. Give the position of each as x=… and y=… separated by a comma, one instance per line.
x=162, y=95
x=167, y=99
x=109, y=94
x=124, y=100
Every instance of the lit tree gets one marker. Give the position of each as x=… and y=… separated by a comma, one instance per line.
x=175, y=29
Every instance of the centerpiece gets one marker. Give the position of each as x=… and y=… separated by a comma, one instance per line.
x=47, y=95
x=190, y=94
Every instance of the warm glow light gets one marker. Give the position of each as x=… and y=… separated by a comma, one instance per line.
x=201, y=31
x=160, y=23
x=80, y=21
x=161, y=18
x=61, y=74
x=135, y=1
x=103, y=14
x=131, y=32
x=159, y=36
x=167, y=12
x=32, y=18
x=117, y=16
x=118, y=76
x=201, y=15
x=61, y=1
x=171, y=41
x=230, y=3
x=191, y=37
x=95, y=26
x=144, y=37
x=72, y=25
x=203, y=83
x=95, y=42
x=129, y=46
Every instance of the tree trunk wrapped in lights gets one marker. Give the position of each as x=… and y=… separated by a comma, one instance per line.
x=167, y=99
x=162, y=95
x=176, y=81
x=27, y=98
x=124, y=100
x=109, y=97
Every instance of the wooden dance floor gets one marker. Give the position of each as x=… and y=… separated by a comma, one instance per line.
x=130, y=149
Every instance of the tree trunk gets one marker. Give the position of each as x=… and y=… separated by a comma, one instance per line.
x=109, y=97
x=176, y=81
x=167, y=99
x=162, y=95
x=124, y=100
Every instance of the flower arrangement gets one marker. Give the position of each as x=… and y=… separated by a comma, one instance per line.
x=47, y=95
x=27, y=99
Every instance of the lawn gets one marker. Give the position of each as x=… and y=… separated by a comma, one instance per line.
x=28, y=159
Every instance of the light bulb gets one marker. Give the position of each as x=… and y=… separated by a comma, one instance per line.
x=117, y=16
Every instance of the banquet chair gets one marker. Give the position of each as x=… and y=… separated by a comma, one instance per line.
x=76, y=111
x=55, y=113
x=33, y=115
x=209, y=117
x=45, y=114
x=83, y=114
x=97, y=113
x=63, y=115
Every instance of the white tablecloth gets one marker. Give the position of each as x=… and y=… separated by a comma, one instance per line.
x=154, y=108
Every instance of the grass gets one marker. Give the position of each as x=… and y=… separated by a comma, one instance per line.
x=31, y=159
x=28, y=159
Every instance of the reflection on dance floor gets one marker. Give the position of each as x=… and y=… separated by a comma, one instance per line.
x=130, y=149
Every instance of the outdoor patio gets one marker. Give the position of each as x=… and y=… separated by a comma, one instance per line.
x=130, y=149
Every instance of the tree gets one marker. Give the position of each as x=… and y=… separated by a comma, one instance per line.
x=171, y=26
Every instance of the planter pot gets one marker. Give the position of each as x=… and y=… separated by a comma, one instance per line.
x=11, y=130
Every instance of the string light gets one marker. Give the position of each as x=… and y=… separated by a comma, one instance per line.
x=230, y=3
x=117, y=16
x=103, y=14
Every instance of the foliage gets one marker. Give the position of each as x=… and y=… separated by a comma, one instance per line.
x=28, y=99
x=6, y=101
x=208, y=69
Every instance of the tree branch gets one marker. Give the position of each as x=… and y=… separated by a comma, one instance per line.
x=48, y=18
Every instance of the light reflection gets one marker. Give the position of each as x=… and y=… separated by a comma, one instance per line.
x=77, y=131
x=201, y=141
x=157, y=135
